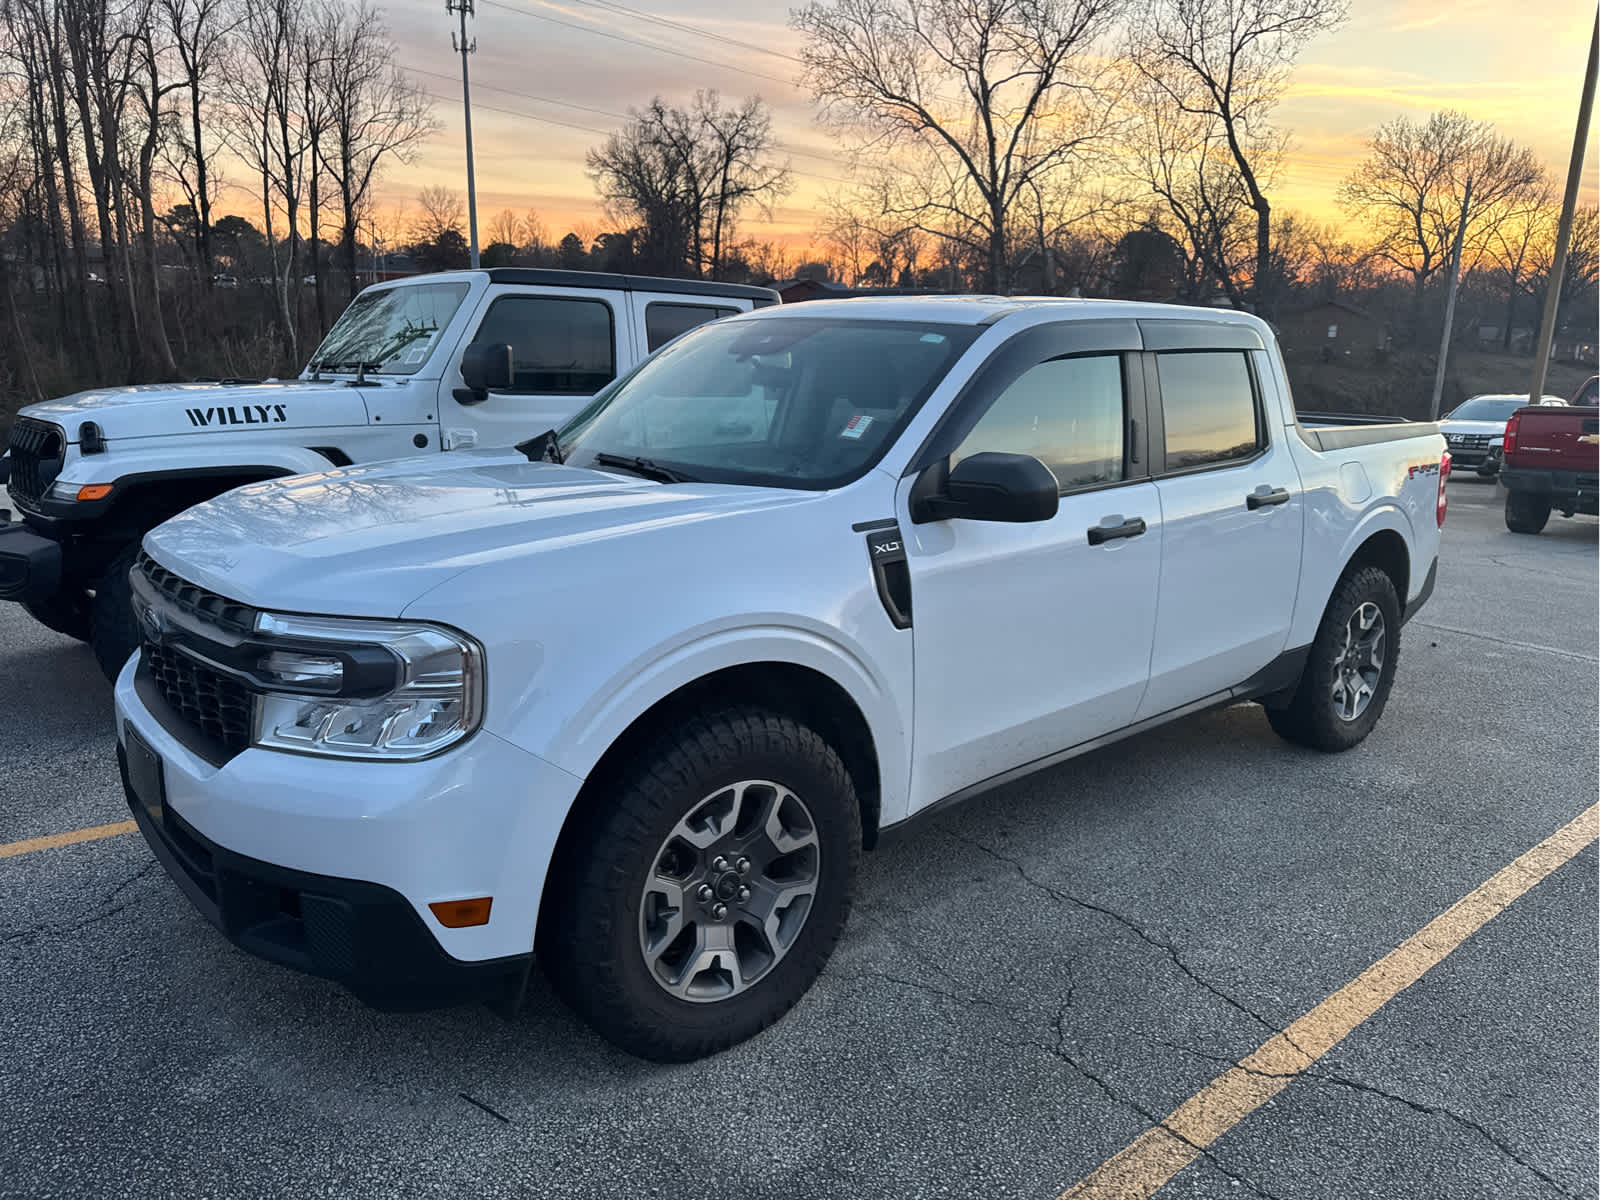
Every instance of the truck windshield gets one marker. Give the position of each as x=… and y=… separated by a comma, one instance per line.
x=389, y=331
x=781, y=401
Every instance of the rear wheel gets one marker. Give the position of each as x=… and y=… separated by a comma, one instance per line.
x=1348, y=674
x=699, y=899
x=113, y=634
x=1526, y=512
x=65, y=612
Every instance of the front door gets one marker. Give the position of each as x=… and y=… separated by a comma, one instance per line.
x=1032, y=638
x=565, y=347
x=1233, y=511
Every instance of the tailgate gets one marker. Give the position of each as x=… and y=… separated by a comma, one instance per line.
x=1557, y=439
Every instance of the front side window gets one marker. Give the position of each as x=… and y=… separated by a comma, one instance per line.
x=1068, y=413
x=389, y=331
x=785, y=401
x=559, y=346
x=1208, y=405
x=663, y=322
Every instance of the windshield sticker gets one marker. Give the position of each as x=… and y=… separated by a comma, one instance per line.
x=239, y=414
x=855, y=426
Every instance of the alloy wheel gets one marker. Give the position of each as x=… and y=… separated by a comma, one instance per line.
x=729, y=891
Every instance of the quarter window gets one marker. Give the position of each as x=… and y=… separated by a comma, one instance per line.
x=1209, y=408
x=1068, y=413
x=559, y=346
x=663, y=322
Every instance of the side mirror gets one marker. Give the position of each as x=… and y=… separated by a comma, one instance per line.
x=987, y=487
x=485, y=368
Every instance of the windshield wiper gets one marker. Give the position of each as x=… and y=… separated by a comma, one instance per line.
x=644, y=467
x=544, y=448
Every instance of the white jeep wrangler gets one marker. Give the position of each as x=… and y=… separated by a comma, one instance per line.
x=442, y=361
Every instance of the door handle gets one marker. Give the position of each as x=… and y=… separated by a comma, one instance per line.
x=1132, y=527
x=1266, y=499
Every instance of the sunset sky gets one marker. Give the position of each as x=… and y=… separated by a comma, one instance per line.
x=1518, y=63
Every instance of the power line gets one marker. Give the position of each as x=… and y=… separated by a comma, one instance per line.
x=683, y=27
x=526, y=116
x=617, y=37
x=603, y=112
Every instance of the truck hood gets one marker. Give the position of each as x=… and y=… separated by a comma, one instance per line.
x=1492, y=428
x=164, y=409
x=367, y=541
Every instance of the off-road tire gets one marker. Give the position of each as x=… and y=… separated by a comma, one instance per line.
x=589, y=940
x=113, y=633
x=1526, y=512
x=1310, y=718
x=65, y=612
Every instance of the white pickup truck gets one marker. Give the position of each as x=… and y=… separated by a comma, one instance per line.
x=636, y=698
x=436, y=362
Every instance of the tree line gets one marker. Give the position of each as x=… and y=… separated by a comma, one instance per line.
x=107, y=105
x=1126, y=148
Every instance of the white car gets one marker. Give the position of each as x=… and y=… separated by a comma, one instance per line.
x=435, y=362
x=1476, y=430
x=637, y=697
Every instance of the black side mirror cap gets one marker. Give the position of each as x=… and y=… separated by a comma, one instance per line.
x=1014, y=488
x=486, y=367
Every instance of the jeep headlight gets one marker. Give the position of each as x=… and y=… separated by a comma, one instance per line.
x=364, y=689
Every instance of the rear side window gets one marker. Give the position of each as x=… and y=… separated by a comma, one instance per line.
x=1068, y=413
x=1209, y=408
x=663, y=322
x=559, y=346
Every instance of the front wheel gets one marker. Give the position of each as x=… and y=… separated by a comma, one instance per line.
x=1346, y=680
x=1526, y=512
x=113, y=634
x=701, y=896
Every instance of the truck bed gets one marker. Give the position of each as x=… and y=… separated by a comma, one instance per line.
x=1344, y=431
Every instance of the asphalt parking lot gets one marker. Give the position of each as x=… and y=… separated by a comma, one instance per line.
x=1027, y=986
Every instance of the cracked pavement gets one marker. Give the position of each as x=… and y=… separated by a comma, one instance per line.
x=1027, y=984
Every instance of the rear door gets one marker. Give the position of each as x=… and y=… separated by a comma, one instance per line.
x=1030, y=639
x=1232, y=509
x=566, y=344
x=661, y=317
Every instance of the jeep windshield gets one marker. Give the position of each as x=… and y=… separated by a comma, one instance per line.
x=389, y=331
x=780, y=401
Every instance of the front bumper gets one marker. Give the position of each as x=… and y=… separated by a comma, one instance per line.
x=329, y=866
x=30, y=565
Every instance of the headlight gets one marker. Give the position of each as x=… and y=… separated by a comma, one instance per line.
x=365, y=689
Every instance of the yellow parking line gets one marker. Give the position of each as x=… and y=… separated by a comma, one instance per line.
x=1153, y=1158
x=94, y=834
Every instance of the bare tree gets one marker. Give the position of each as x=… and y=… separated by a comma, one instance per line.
x=1182, y=157
x=441, y=211
x=1226, y=62
x=1412, y=191
x=199, y=31
x=376, y=113
x=965, y=106
x=681, y=176
x=505, y=228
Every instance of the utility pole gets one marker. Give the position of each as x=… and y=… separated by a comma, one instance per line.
x=466, y=46
x=1558, y=268
x=1450, y=303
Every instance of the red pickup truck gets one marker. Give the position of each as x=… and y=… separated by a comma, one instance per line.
x=1552, y=461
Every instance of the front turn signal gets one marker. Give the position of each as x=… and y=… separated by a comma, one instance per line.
x=462, y=914
x=94, y=491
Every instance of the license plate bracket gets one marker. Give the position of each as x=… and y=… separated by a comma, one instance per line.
x=146, y=779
